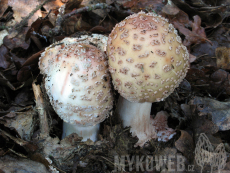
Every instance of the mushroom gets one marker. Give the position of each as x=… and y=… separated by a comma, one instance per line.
x=147, y=61
x=77, y=82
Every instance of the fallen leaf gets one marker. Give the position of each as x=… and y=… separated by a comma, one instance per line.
x=75, y=23
x=17, y=60
x=100, y=12
x=25, y=73
x=187, y=111
x=192, y=58
x=19, y=40
x=219, y=111
x=213, y=15
x=220, y=81
x=4, y=61
x=4, y=6
x=22, y=8
x=223, y=58
x=32, y=60
x=137, y=5
x=10, y=164
x=3, y=33
x=195, y=73
x=185, y=145
x=196, y=26
x=170, y=9
x=170, y=155
x=196, y=36
x=23, y=124
x=71, y=5
x=205, y=49
x=52, y=5
x=23, y=98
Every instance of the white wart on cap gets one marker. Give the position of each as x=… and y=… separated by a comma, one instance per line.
x=77, y=81
x=147, y=59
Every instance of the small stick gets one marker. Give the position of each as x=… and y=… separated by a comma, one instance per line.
x=24, y=21
x=44, y=127
x=19, y=141
x=57, y=29
x=9, y=84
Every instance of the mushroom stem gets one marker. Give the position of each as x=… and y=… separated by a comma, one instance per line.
x=87, y=132
x=137, y=116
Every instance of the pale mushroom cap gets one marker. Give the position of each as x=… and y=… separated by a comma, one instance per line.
x=147, y=59
x=77, y=82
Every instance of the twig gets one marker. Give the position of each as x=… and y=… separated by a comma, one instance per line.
x=19, y=154
x=44, y=127
x=25, y=20
x=9, y=84
x=29, y=147
x=115, y=164
x=17, y=140
x=57, y=29
x=58, y=168
x=47, y=15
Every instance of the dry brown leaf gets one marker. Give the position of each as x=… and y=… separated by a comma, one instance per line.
x=74, y=24
x=203, y=77
x=185, y=145
x=181, y=21
x=137, y=5
x=72, y=4
x=170, y=9
x=223, y=58
x=17, y=41
x=187, y=110
x=212, y=13
x=4, y=62
x=4, y=6
x=52, y=5
x=10, y=164
x=196, y=36
x=196, y=26
x=192, y=58
x=220, y=81
x=23, y=123
x=100, y=12
x=3, y=33
x=220, y=111
x=165, y=154
x=22, y=8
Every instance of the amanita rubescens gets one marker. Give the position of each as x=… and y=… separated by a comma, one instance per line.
x=78, y=85
x=147, y=61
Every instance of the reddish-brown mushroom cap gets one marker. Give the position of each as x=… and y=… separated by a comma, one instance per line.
x=147, y=60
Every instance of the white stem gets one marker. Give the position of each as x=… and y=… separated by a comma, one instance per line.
x=137, y=116
x=85, y=132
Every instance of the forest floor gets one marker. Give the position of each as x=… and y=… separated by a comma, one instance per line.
x=198, y=109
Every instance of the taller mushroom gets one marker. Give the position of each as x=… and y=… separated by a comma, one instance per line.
x=77, y=82
x=147, y=61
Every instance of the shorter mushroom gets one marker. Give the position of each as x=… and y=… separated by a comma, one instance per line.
x=147, y=61
x=77, y=82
